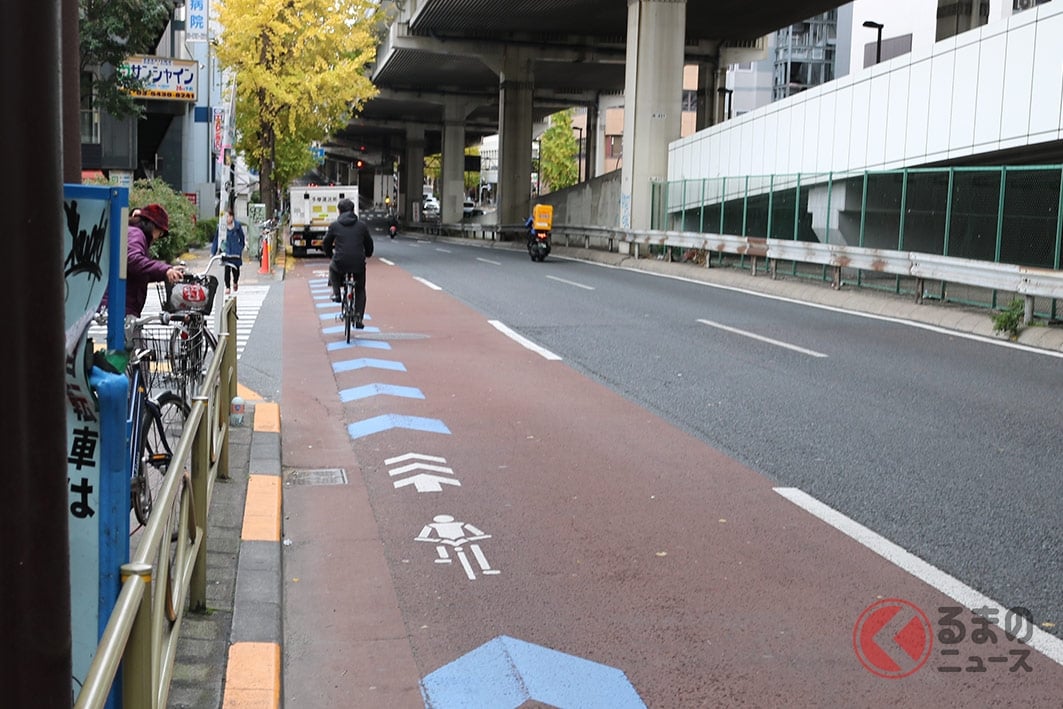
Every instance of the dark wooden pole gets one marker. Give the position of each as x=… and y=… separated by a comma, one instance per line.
x=34, y=568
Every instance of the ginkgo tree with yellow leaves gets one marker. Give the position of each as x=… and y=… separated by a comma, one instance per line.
x=301, y=70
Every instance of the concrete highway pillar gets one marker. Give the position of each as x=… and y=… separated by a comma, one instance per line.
x=412, y=183
x=453, y=171
x=514, y=136
x=590, y=142
x=706, y=96
x=656, y=34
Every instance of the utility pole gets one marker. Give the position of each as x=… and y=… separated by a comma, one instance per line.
x=34, y=563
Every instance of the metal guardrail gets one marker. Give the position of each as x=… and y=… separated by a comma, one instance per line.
x=1026, y=281
x=168, y=572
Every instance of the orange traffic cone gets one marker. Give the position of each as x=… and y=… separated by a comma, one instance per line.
x=265, y=257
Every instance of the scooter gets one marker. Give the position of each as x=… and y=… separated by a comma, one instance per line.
x=539, y=245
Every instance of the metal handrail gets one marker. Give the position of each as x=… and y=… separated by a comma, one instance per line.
x=1026, y=281
x=144, y=626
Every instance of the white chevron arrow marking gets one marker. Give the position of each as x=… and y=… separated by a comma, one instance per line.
x=420, y=466
x=412, y=456
x=426, y=483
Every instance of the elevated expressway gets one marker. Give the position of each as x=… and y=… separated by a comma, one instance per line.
x=453, y=71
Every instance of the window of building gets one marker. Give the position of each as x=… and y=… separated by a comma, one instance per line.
x=90, y=112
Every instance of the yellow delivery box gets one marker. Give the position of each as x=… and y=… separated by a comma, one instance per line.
x=543, y=217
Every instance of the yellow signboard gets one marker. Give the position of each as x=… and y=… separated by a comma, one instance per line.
x=162, y=77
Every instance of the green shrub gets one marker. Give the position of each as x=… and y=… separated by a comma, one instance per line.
x=181, y=213
x=1009, y=320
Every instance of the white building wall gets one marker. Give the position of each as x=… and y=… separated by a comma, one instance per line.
x=988, y=89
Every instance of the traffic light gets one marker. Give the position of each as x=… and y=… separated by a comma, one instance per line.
x=360, y=164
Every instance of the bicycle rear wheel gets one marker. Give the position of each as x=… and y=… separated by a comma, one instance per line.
x=348, y=313
x=160, y=431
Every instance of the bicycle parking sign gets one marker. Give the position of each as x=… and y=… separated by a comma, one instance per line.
x=93, y=236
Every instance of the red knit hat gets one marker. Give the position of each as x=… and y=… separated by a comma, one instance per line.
x=155, y=214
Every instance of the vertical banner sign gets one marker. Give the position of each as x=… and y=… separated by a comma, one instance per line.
x=219, y=133
x=197, y=21
x=94, y=217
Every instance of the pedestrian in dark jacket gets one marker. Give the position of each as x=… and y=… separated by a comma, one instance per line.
x=145, y=226
x=232, y=250
x=349, y=244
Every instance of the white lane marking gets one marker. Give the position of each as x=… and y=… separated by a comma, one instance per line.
x=493, y=263
x=445, y=251
x=753, y=335
x=428, y=283
x=524, y=341
x=570, y=283
x=834, y=309
x=1048, y=645
x=386, y=262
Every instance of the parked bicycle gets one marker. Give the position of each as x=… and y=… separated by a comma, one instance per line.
x=189, y=303
x=154, y=419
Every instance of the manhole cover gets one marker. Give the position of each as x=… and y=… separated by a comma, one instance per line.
x=318, y=476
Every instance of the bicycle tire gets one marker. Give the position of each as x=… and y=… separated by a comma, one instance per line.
x=161, y=427
x=348, y=316
x=191, y=348
x=182, y=537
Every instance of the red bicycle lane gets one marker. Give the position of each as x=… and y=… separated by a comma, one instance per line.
x=616, y=537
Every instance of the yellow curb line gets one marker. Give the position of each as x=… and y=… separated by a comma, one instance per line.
x=248, y=395
x=262, y=509
x=253, y=676
x=267, y=417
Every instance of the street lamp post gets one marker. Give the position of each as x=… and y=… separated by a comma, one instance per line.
x=877, y=26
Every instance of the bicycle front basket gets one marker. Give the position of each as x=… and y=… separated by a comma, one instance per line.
x=191, y=294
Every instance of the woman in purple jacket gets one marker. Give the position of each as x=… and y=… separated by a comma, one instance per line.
x=147, y=224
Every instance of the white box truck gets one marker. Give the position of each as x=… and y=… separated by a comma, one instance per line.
x=313, y=209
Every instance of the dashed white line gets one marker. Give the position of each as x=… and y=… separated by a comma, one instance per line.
x=571, y=283
x=386, y=262
x=442, y=250
x=755, y=336
x=524, y=341
x=428, y=283
x=1048, y=645
x=493, y=263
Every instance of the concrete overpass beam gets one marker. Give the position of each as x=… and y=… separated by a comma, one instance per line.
x=515, y=136
x=412, y=194
x=654, y=93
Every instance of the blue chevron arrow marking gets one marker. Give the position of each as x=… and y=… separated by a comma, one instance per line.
x=336, y=330
x=507, y=672
x=364, y=392
x=371, y=344
x=386, y=422
x=364, y=363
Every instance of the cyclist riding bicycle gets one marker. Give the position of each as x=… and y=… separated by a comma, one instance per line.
x=348, y=243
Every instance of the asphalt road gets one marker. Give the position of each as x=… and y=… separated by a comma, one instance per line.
x=947, y=446
x=513, y=527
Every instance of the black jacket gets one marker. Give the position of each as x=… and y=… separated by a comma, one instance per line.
x=348, y=243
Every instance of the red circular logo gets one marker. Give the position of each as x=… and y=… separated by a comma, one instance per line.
x=893, y=638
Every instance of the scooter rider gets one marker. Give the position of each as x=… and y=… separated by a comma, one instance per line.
x=348, y=243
